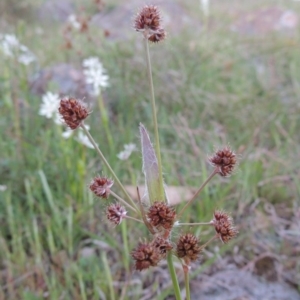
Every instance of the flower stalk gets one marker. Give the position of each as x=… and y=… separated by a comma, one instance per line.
x=161, y=191
x=115, y=177
x=197, y=193
x=187, y=282
x=173, y=276
x=154, y=212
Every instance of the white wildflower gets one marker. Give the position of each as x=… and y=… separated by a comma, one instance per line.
x=49, y=106
x=11, y=47
x=26, y=57
x=72, y=19
x=84, y=140
x=128, y=149
x=91, y=62
x=8, y=44
x=3, y=188
x=95, y=74
x=205, y=7
x=66, y=134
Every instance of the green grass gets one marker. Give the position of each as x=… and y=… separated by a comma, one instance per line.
x=209, y=93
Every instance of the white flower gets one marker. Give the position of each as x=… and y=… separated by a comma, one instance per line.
x=83, y=139
x=95, y=74
x=9, y=43
x=11, y=47
x=128, y=149
x=66, y=134
x=205, y=7
x=26, y=57
x=3, y=188
x=72, y=19
x=49, y=106
x=91, y=62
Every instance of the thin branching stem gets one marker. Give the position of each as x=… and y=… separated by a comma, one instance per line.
x=115, y=177
x=154, y=116
x=193, y=224
x=125, y=245
x=123, y=201
x=173, y=276
x=197, y=193
x=187, y=283
x=209, y=241
x=134, y=219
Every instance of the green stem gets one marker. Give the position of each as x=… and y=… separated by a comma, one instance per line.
x=122, y=201
x=197, y=193
x=104, y=118
x=173, y=276
x=193, y=224
x=187, y=284
x=209, y=241
x=125, y=245
x=17, y=124
x=157, y=146
x=115, y=177
x=108, y=275
x=134, y=219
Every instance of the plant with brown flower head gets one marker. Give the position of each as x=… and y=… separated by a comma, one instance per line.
x=224, y=226
x=73, y=112
x=154, y=210
x=188, y=248
x=100, y=186
x=115, y=213
x=146, y=255
x=224, y=160
x=161, y=215
x=148, y=21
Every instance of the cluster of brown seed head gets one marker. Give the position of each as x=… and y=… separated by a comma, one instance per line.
x=146, y=255
x=150, y=254
x=188, y=247
x=224, y=160
x=224, y=226
x=115, y=213
x=161, y=215
x=73, y=112
x=148, y=21
x=101, y=186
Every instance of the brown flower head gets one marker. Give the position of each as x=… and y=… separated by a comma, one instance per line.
x=147, y=19
x=224, y=160
x=158, y=36
x=224, y=226
x=188, y=247
x=73, y=112
x=161, y=215
x=146, y=255
x=115, y=213
x=100, y=186
x=162, y=245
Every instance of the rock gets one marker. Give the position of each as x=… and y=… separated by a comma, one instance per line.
x=56, y=10
x=67, y=80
